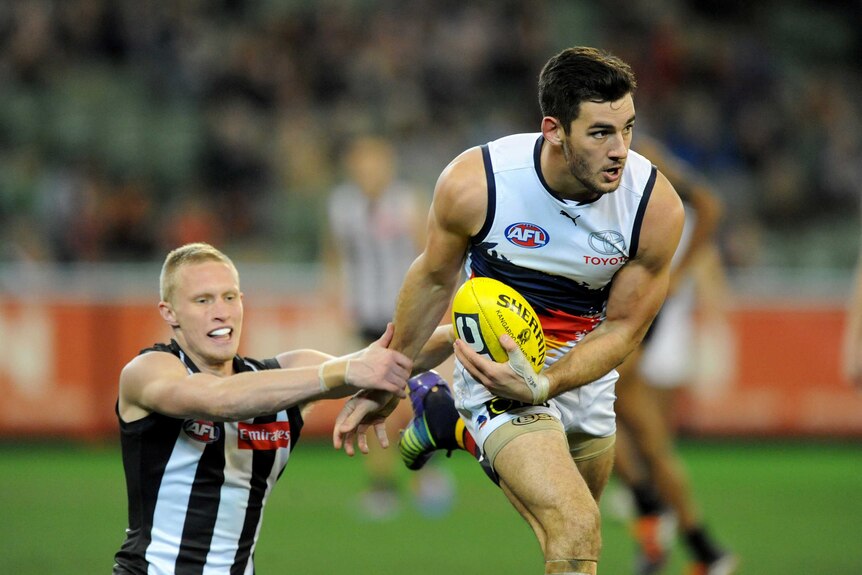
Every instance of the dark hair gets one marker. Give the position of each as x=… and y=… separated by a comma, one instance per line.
x=582, y=74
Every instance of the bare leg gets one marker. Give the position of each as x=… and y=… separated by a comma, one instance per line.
x=543, y=483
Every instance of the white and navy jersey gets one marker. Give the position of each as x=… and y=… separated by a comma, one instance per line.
x=561, y=255
x=197, y=489
x=377, y=241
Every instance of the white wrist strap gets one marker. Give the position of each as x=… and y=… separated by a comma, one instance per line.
x=537, y=383
x=333, y=373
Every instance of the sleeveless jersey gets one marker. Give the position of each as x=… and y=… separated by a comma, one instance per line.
x=561, y=255
x=196, y=489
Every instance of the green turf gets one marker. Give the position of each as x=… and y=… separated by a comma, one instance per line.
x=785, y=507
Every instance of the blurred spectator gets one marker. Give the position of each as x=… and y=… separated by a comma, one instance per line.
x=194, y=95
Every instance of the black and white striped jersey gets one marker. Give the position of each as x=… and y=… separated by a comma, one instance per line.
x=377, y=243
x=197, y=489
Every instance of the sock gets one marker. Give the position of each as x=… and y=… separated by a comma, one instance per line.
x=646, y=499
x=449, y=432
x=465, y=439
x=701, y=545
x=442, y=419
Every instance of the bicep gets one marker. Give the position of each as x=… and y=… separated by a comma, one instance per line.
x=457, y=212
x=301, y=358
x=158, y=382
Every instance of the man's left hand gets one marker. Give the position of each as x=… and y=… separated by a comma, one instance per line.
x=366, y=409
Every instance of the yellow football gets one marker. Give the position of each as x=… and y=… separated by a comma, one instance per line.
x=484, y=309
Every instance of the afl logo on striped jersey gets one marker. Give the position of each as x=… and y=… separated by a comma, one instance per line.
x=203, y=431
x=527, y=235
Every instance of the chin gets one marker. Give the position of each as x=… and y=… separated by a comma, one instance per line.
x=222, y=351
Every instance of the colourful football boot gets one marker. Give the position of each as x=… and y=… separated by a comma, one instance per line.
x=417, y=443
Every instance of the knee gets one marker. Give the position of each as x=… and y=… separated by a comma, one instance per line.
x=575, y=532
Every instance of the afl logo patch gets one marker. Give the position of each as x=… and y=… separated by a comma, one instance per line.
x=527, y=235
x=203, y=431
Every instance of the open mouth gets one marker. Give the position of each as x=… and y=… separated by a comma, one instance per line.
x=221, y=332
x=613, y=173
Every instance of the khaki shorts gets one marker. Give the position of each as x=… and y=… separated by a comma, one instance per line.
x=582, y=446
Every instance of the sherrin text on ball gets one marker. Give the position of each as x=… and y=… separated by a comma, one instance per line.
x=484, y=309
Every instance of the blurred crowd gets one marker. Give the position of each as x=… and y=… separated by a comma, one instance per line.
x=128, y=127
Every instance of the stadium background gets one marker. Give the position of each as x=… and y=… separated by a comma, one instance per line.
x=127, y=128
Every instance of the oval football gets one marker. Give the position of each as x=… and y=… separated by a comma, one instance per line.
x=484, y=309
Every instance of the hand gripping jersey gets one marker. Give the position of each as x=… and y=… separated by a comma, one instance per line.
x=197, y=488
x=561, y=255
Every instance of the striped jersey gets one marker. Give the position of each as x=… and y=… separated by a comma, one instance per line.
x=197, y=489
x=561, y=255
x=377, y=243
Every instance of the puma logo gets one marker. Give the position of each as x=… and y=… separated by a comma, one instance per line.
x=574, y=219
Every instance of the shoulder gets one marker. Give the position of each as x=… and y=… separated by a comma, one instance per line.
x=467, y=168
x=662, y=223
x=143, y=375
x=461, y=193
x=154, y=364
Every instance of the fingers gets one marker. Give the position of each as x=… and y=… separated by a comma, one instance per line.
x=518, y=361
x=362, y=439
x=382, y=369
x=365, y=409
x=508, y=343
x=385, y=339
x=336, y=429
x=339, y=435
x=382, y=437
x=472, y=361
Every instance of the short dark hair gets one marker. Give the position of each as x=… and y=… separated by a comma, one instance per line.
x=582, y=74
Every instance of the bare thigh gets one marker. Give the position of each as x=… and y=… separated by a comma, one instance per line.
x=543, y=483
x=596, y=472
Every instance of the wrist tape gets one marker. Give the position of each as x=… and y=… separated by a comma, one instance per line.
x=333, y=373
x=537, y=383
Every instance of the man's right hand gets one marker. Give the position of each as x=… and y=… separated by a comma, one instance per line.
x=377, y=367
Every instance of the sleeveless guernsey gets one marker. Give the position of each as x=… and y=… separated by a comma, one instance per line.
x=196, y=489
x=561, y=255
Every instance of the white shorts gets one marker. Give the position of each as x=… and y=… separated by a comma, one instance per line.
x=668, y=353
x=588, y=409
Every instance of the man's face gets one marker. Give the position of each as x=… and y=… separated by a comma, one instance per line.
x=207, y=306
x=597, y=144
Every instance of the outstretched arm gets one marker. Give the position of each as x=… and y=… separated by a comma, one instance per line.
x=159, y=382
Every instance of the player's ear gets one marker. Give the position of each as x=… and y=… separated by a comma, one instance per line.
x=552, y=130
x=168, y=314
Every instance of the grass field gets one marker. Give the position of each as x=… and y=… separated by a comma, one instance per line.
x=784, y=507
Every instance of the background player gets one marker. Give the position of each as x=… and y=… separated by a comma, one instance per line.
x=853, y=330
x=376, y=230
x=650, y=378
